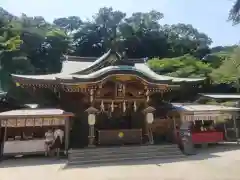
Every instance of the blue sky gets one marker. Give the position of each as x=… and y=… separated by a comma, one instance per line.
x=208, y=16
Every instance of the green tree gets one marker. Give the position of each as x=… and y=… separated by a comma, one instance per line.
x=234, y=14
x=30, y=45
x=68, y=24
x=229, y=71
x=183, y=66
x=184, y=39
x=218, y=55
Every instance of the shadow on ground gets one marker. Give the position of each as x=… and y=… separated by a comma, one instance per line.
x=202, y=154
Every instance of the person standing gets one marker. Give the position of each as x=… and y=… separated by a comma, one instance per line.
x=58, y=136
x=49, y=140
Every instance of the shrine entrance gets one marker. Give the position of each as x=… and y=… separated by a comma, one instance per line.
x=115, y=111
x=121, y=125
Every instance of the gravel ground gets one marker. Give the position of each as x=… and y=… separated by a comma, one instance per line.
x=220, y=163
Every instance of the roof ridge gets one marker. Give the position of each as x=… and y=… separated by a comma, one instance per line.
x=92, y=59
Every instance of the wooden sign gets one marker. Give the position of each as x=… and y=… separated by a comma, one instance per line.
x=58, y=121
x=30, y=122
x=11, y=123
x=3, y=123
x=38, y=122
x=20, y=122
x=47, y=121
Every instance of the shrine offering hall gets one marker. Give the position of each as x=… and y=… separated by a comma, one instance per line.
x=114, y=100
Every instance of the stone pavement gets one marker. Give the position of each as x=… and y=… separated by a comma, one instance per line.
x=221, y=163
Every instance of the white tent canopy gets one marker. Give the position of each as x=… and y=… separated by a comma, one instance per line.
x=193, y=112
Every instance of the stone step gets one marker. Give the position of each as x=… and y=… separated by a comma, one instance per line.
x=122, y=151
x=115, y=154
x=129, y=146
x=123, y=155
x=124, y=148
x=118, y=160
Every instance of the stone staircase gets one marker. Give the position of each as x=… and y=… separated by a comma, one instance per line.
x=100, y=155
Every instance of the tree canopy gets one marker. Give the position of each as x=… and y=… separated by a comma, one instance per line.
x=234, y=14
x=31, y=45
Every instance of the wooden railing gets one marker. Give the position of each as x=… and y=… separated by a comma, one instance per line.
x=120, y=137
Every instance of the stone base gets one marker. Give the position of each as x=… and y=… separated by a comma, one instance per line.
x=91, y=146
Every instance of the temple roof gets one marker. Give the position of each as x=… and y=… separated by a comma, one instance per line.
x=203, y=107
x=34, y=113
x=202, y=112
x=222, y=96
x=86, y=69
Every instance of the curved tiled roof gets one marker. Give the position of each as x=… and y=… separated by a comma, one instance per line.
x=138, y=68
x=85, y=70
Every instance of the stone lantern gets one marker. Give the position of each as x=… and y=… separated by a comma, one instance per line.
x=91, y=122
x=149, y=118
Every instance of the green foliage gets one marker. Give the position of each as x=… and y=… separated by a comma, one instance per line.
x=30, y=45
x=219, y=55
x=234, y=14
x=183, y=66
x=229, y=71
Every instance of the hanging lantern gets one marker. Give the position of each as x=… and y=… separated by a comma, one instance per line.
x=124, y=106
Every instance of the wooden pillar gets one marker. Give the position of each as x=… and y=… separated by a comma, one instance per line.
x=225, y=132
x=174, y=123
x=3, y=139
x=235, y=128
x=146, y=133
x=174, y=129
x=67, y=133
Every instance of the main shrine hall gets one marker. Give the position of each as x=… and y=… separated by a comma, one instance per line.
x=114, y=100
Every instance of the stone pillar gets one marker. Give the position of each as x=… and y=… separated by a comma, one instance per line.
x=149, y=118
x=91, y=122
